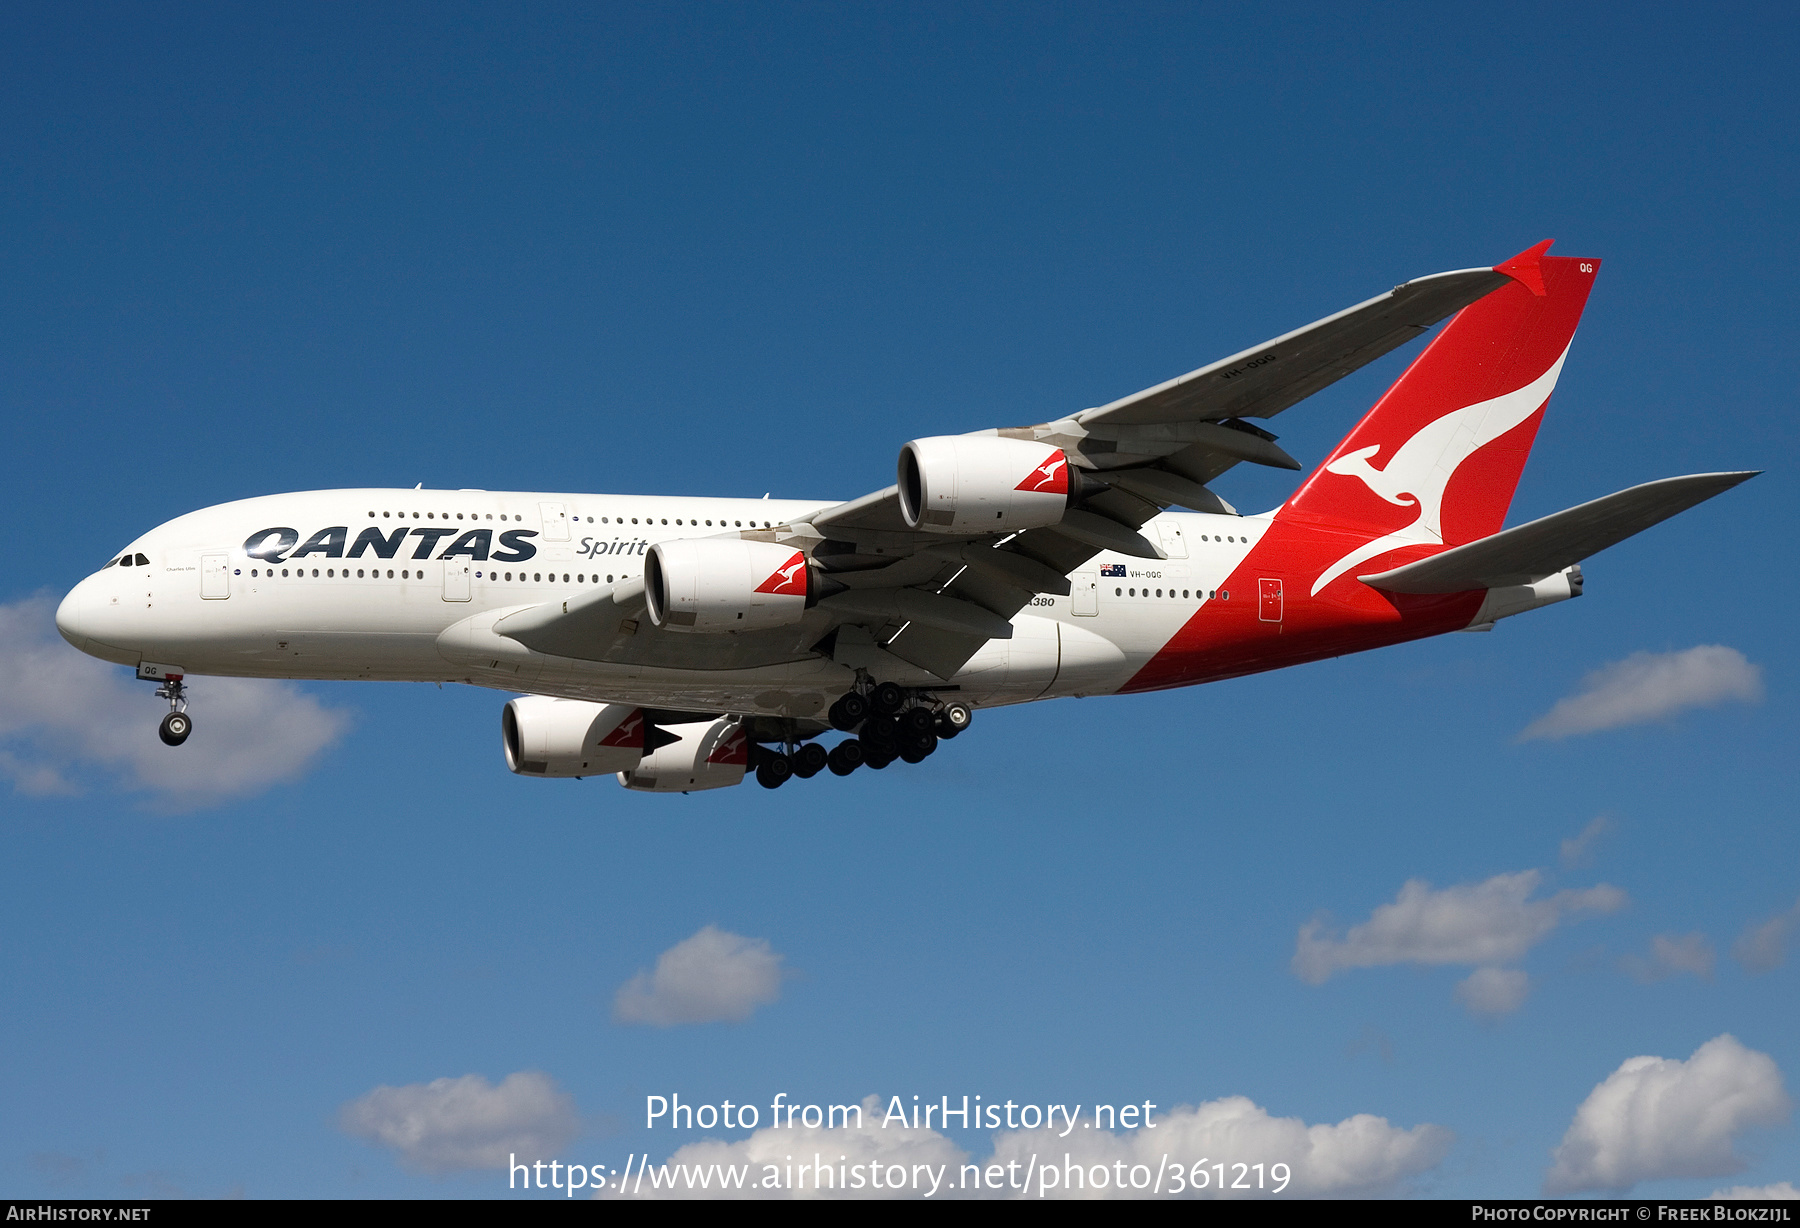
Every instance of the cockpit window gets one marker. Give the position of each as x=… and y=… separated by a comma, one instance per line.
x=140, y=561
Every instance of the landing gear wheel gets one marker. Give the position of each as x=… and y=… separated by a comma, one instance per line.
x=175, y=728
x=918, y=748
x=916, y=721
x=848, y=712
x=773, y=771
x=953, y=720
x=877, y=759
x=845, y=757
x=887, y=698
x=809, y=760
x=177, y=725
x=881, y=733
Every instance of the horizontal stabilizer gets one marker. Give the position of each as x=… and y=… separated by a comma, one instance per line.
x=1531, y=551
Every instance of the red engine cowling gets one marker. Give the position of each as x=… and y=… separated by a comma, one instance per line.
x=570, y=737
x=705, y=756
x=966, y=484
x=714, y=584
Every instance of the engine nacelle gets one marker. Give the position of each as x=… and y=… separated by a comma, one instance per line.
x=718, y=584
x=982, y=484
x=570, y=737
x=705, y=756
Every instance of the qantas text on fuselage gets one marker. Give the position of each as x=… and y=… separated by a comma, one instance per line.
x=682, y=643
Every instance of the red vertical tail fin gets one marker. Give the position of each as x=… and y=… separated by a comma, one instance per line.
x=1438, y=457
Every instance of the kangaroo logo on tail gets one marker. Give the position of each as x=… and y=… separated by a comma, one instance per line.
x=1421, y=468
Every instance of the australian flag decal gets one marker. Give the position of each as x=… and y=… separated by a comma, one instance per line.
x=1113, y=569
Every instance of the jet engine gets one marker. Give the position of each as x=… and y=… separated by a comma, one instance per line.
x=570, y=737
x=724, y=584
x=982, y=484
x=703, y=756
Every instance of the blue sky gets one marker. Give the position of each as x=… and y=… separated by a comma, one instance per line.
x=732, y=249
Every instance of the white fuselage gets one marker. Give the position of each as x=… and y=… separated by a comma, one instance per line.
x=405, y=585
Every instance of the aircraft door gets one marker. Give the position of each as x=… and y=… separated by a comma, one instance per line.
x=1269, y=600
x=556, y=521
x=1085, y=593
x=457, y=573
x=215, y=576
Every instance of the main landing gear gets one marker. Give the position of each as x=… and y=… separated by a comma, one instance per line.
x=890, y=722
x=178, y=724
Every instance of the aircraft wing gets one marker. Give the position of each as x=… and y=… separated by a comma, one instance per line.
x=1265, y=379
x=933, y=600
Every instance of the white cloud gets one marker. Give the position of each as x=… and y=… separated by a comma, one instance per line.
x=1492, y=992
x=714, y=976
x=1656, y=1117
x=63, y=713
x=1759, y=1193
x=1648, y=686
x=1763, y=947
x=1673, y=953
x=1577, y=850
x=1361, y=1156
x=1488, y=923
x=452, y=1124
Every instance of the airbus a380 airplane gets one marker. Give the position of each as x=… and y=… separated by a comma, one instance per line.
x=682, y=642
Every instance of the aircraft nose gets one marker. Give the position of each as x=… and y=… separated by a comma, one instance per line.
x=70, y=620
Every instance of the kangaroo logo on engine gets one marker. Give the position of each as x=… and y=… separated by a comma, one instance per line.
x=1051, y=477
x=787, y=580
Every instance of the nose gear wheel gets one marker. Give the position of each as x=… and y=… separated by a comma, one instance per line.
x=178, y=724
x=175, y=728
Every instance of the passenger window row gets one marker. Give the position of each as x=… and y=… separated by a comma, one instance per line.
x=537, y=577
x=407, y=573
x=1222, y=594
x=331, y=573
x=442, y=516
x=693, y=522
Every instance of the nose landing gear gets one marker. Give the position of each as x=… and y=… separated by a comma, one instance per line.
x=178, y=724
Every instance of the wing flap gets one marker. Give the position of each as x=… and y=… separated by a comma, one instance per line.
x=935, y=649
x=1543, y=547
x=913, y=605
